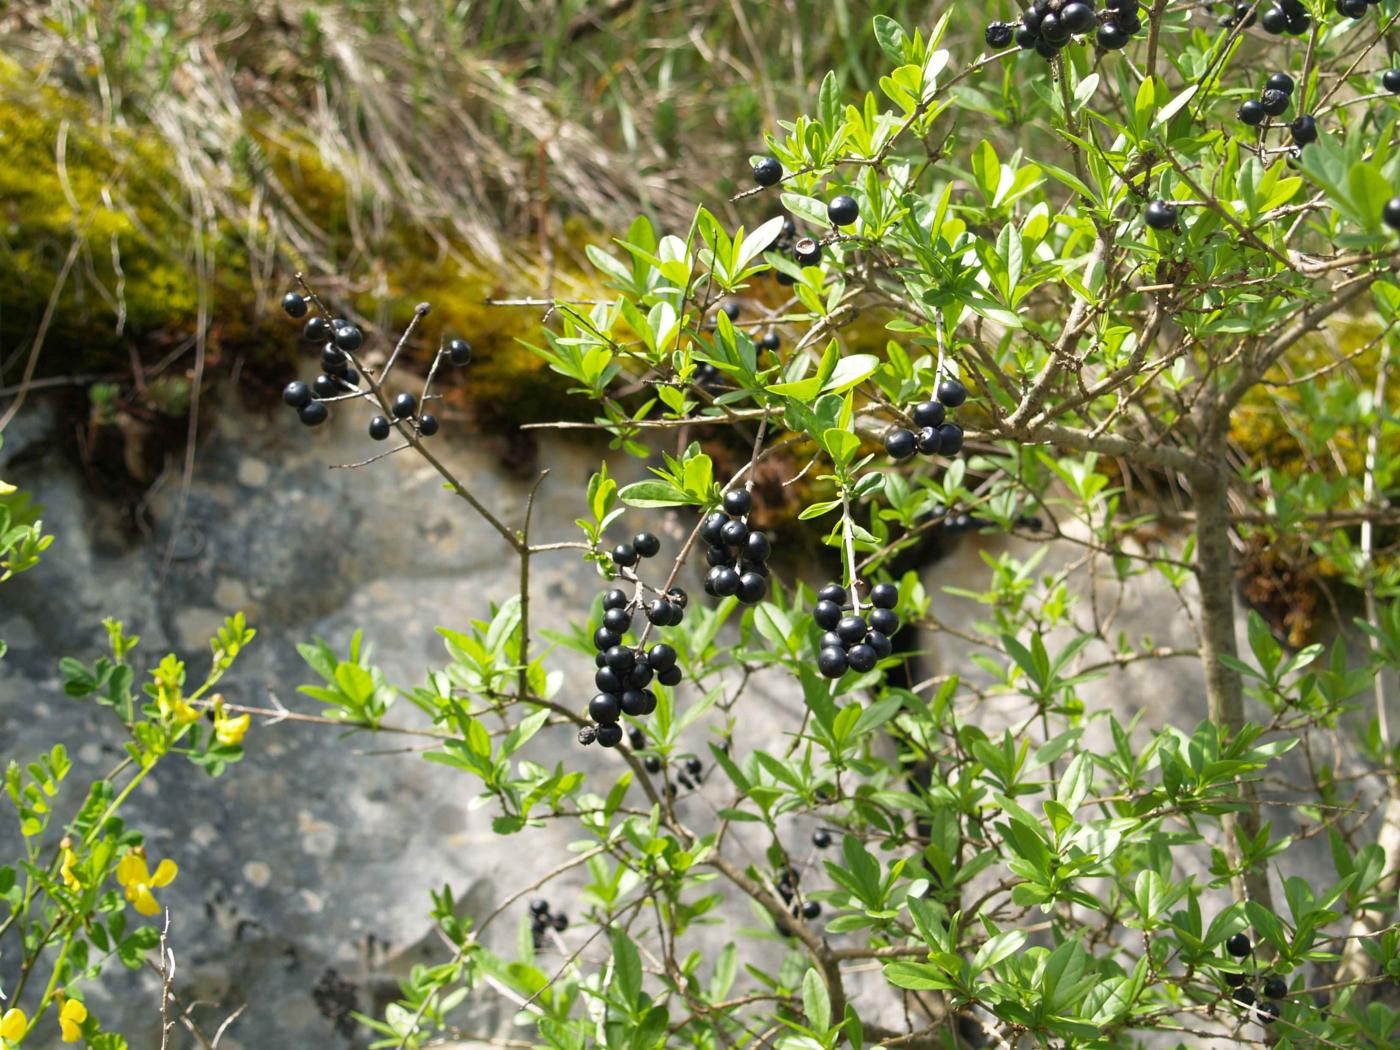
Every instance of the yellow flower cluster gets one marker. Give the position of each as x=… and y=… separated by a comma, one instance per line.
x=14, y=1025
x=170, y=697
x=228, y=730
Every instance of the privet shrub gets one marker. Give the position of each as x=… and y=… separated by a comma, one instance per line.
x=1128, y=290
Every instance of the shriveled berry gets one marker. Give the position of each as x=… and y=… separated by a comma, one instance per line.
x=767, y=171
x=296, y=393
x=900, y=444
x=1274, y=103
x=842, y=210
x=884, y=596
x=610, y=734
x=313, y=414
x=405, y=405
x=624, y=555
x=831, y=662
x=604, y=708
x=379, y=428
x=929, y=442
x=738, y=502
x=807, y=252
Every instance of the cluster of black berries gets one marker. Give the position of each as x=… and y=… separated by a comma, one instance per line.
x=624, y=672
x=339, y=339
x=738, y=555
x=1273, y=988
x=1274, y=101
x=936, y=433
x=1048, y=25
x=690, y=776
x=542, y=919
x=788, y=879
x=1292, y=18
x=854, y=642
x=841, y=210
x=643, y=545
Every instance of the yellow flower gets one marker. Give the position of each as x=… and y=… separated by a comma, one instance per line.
x=170, y=697
x=70, y=861
x=71, y=1019
x=138, y=880
x=6, y=488
x=13, y=1025
x=228, y=730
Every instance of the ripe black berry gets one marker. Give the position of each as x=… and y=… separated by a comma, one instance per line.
x=951, y=394
x=723, y=580
x=821, y=838
x=1238, y=945
x=404, y=405
x=833, y=592
x=316, y=330
x=900, y=444
x=884, y=596
x=617, y=620
x=1245, y=996
x=830, y=638
x=296, y=393
x=1275, y=988
x=998, y=34
x=350, y=376
x=1269, y=1012
x=669, y=677
x=652, y=764
x=831, y=662
x=770, y=341
x=634, y=702
x=646, y=544
x=606, y=638
x=693, y=766
x=313, y=414
x=1279, y=82
x=349, y=338
x=1390, y=80
x=561, y=922
x=1390, y=214
x=607, y=680
x=928, y=442
x=325, y=386
x=735, y=533
x=852, y=629
x=842, y=210
x=427, y=425
x=710, y=530
x=379, y=428
x=811, y=909
x=661, y=657
x=758, y=546
x=1160, y=215
x=1111, y=37
x=1352, y=8
x=1273, y=21
x=884, y=620
x=620, y=658
x=539, y=906
x=604, y=708
x=1077, y=17
x=1304, y=130
x=827, y=614
x=1299, y=22
x=752, y=588
x=950, y=439
x=720, y=555
x=1234, y=980
x=615, y=599
x=738, y=502
x=640, y=676
x=880, y=642
x=767, y=172
x=1274, y=103
x=1053, y=31
x=624, y=554
x=930, y=413
x=861, y=657
x=1251, y=113
x=610, y=735
x=659, y=613
x=1027, y=38
x=294, y=305
x=459, y=351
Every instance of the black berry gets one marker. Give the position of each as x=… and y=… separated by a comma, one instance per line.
x=325, y=386
x=950, y=439
x=624, y=555
x=758, y=546
x=1274, y=21
x=661, y=657
x=1251, y=113
x=1304, y=130
x=833, y=592
x=640, y=676
x=296, y=393
x=900, y=444
x=880, y=642
x=561, y=922
x=1275, y=988
x=652, y=764
x=1390, y=80
x=811, y=910
x=723, y=580
x=930, y=413
x=827, y=614
x=1269, y=1012
x=770, y=341
x=928, y=442
x=693, y=766
x=669, y=677
x=842, y=210
x=646, y=545
x=831, y=662
x=999, y=34
x=951, y=394
x=379, y=428
x=735, y=533
x=884, y=620
x=807, y=252
x=294, y=305
x=539, y=906
x=1390, y=214
x=333, y=361
x=861, y=657
x=731, y=310
x=607, y=680
x=604, y=708
x=851, y=629
x=821, y=838
x=349, y=338
x=615, y=599
x=404, y=405
x=1279, y=82
x=884, y=596
x=634, y=702
x=1238, y=945
x=1274, y=102
x=1077, y=17
x=610, y=735
x=316, y=330
x=313, y=414
x=710, y=530
x=1234, y=980
x=1111, y=37
x=427, y=425
x=752, y=588
x=1245, y=996
x=620, y=658
x=738, y=502
x=1160, y=215
x=767, y=172
x=617, y=620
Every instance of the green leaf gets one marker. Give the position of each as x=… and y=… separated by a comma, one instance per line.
x=815, y=1002
x=656, y=493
